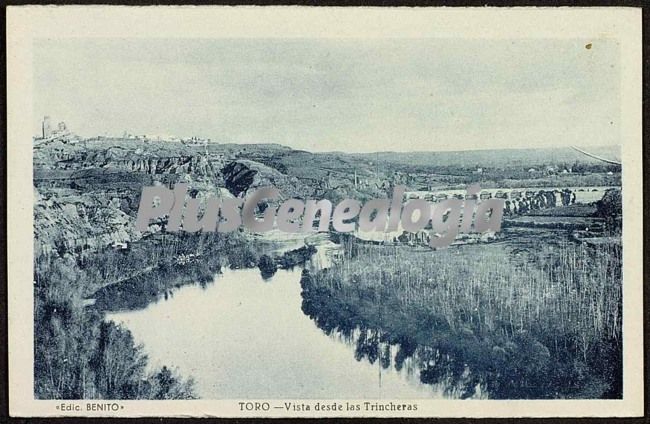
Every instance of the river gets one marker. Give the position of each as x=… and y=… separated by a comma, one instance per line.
x=245, y=337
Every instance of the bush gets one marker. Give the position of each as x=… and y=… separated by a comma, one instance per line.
x=267, y=266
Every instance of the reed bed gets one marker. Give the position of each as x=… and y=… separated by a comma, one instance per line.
x=563, y=294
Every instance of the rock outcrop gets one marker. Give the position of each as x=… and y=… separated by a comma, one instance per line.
x=67, y=222
x=87, y=194
x=243, y=176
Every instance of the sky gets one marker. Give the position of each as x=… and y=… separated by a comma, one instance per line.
x=353, y=95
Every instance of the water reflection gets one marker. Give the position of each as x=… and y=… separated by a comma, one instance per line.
x=249, y=333
x=141, y=291
x=243, y=337
x=456, y=361
x=390, y=351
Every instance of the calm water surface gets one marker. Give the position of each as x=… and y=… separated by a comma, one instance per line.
x=244, y=337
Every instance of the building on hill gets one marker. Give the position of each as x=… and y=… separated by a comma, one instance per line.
x=61, y=133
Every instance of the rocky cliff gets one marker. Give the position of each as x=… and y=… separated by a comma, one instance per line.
x=86, y=195
x=69, y=222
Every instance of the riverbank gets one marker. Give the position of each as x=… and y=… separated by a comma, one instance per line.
x=480, y=315
x=468, y=317
x=79, y=355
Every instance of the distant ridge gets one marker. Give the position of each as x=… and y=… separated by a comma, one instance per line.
x=498, y=158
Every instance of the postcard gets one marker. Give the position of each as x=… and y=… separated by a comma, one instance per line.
x=324, y=212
